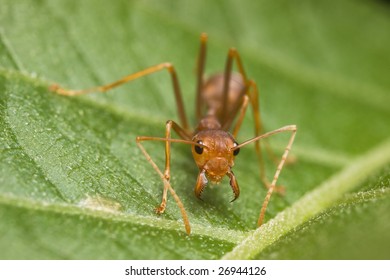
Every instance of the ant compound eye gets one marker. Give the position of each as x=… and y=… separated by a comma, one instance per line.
x=199, y=149
x=236, y=151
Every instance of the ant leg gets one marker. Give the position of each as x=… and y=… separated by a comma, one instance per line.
x=199, y=73
x=232, y=54
x=241, y=116
x=252, y=96
x=254, y=99
x=167, y=172
x=128, y=78
x=293, y=129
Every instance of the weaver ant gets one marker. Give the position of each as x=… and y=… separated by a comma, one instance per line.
x=221, y=99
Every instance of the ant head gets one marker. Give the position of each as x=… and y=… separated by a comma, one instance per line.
x=214, y=154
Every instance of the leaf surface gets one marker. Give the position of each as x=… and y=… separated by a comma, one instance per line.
x=74, y=185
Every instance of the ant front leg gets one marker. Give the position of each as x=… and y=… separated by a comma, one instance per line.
x=167, y=172
x=272, y=186
x=166, y=175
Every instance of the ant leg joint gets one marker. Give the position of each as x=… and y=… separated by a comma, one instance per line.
x=167, y=176
x=161, y=208
x=59, y=90
x=232, y=51
x=293, y=127
x=54, y=87
x=169, y=66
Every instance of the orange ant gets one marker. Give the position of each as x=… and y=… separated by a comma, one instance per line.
x=220, y=99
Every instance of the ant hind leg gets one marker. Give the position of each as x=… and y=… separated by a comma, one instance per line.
x=175, y=82
x=252, y=94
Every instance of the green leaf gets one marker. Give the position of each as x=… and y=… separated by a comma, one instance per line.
x=74, y=185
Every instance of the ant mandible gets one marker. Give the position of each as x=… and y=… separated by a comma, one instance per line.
x=221, y=99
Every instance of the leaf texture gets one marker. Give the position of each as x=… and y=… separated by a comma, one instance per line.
x=74, y=185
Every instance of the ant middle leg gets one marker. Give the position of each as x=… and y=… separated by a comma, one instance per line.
x=254, y=100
